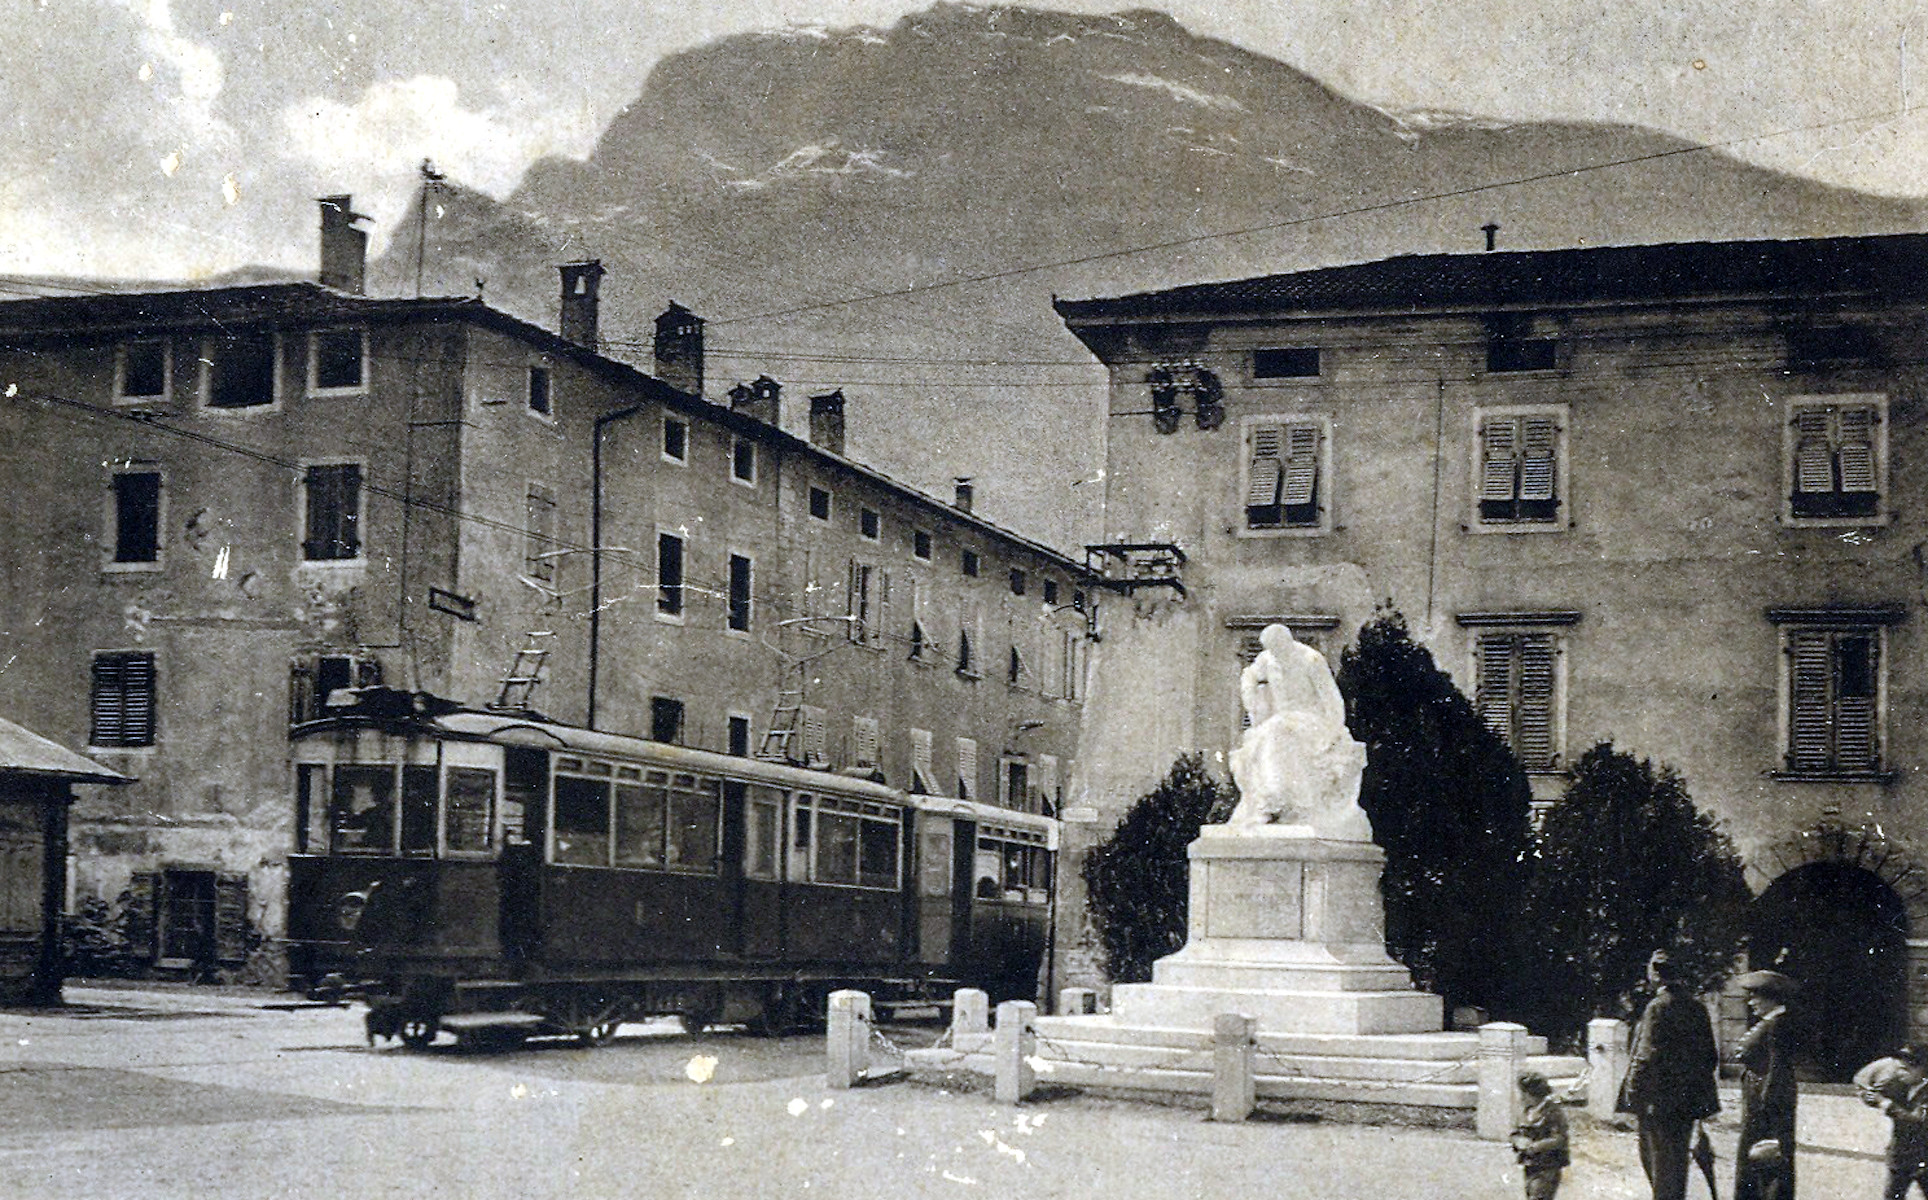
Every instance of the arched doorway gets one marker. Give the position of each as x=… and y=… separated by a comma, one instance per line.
x=1842, y=932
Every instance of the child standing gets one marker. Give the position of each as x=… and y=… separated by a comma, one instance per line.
x=1540, y=1140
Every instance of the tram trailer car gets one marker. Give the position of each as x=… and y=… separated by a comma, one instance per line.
x=498, y=874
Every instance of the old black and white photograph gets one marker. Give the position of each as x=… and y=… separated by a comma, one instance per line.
x=872, y=599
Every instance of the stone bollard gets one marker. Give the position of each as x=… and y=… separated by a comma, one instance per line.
x=1502, y=1051
x=848, y=1039
x=1015, y=1043
x=1077, y=1002
x=970, y=1015
x=1606, y=1065
x=1234, y=1082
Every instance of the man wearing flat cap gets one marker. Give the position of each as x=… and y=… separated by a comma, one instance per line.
x=1765, y=1157
x=1670, y=1077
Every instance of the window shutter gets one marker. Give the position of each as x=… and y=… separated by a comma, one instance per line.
x=1301, y=464
x=1535, y=746
x=1536, y=460
x=1813, y=465
x=231, y=918
x=1855, y=672
x=1262, y=480
x=1498, y=437
x=1857, y=449
x=864, y=733
x=966, y=767
x=879, y=611
x=1495, y=690
x=815, y=740
x=1808, y=672
x=920, y=759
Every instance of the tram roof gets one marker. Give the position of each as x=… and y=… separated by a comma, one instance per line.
x=515, y=729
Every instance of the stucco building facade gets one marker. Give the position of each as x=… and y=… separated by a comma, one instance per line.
x=229, y=502
x=1669, y=496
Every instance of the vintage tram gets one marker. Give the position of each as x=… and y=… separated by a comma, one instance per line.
x=497, y=873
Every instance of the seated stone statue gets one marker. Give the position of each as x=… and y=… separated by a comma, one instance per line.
x=1297, y=765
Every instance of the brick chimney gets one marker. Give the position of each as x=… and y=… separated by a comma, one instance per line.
x=964, y=494
x=580, y=283
x=679, y=349
x=827, y=421
x=344, y=248
x=762, y=400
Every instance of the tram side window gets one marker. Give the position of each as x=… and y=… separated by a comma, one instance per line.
x=762, y=832
x=692, y=824
x=361, y=810
x=582, y=821
x=836, y=847
x=1008, y=870
x=639, y=825
x=800, y=839
x=419, y=785
x=877, y=859
x=471, y=807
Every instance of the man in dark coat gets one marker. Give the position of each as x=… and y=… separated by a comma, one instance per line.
x=1670, y=1078
x=1764, y=1160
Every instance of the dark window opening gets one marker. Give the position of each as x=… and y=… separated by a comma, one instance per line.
x=819, y=504
x=740, y=736
x=1015, y=668
x=665, y=719
x=1017, y=582
x=1050, y=591
x=871, y=524
x=739, y=593
x=122, y=700
x=144, y=368
x=743, y=461
x=920, y=545
x=676, y=439
x=137, y=517
x=338, y=359
x=669, y=574
x=361, y=810
x=241, y=372
x=964, y=656
x=1521, y=354
x=1299, y=362
x=334, y=513
x=419, y=801
x=539, y=397
x=968, y=561
x=917, y=642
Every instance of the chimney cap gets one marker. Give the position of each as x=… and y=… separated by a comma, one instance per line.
x=343, y=204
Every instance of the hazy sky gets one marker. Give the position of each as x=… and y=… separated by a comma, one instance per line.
x=176, y=137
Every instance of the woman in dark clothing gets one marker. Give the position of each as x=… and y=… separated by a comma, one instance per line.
x=1765, y=1157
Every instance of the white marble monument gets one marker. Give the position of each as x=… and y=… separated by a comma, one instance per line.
x=1286, y=922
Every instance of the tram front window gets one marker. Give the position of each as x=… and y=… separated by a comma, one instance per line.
x=361, y=810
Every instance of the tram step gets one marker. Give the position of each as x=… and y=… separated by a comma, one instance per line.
x=463, y=1022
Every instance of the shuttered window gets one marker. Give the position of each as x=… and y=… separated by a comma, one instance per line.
x=1283, y=476
x=1835, y=460
x=864, y=736
x=816, y=737
x=966, y=768
x=1516, y=694
x=1834, y=722
x=869, y=591
x=1519, y=468
x=920, y=761
x=333, y=523
x=123, y=699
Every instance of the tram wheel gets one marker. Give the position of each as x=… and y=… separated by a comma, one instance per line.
x=706, y=1011
x=780, y=1013
x=418, y=1032
x=597, y=1034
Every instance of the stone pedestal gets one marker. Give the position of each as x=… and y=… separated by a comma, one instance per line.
x=1287, y=928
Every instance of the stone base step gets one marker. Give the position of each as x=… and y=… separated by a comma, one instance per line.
x=1337, y=1012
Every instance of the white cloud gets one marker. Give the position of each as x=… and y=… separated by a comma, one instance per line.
x=398, y=123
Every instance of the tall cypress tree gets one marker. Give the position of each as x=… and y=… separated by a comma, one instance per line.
x=1450, y=805
x=1137, y=879
x=1626, y=865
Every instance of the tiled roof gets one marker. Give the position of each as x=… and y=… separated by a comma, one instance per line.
x=27, y=753
x=1892, y=265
